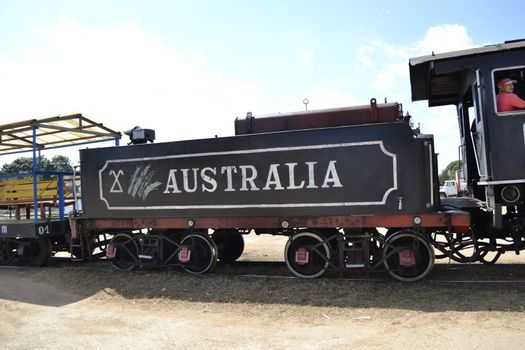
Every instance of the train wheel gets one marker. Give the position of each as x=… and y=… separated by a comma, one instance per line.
x=229, y=243
x=198, y=253
x=122, y=251
x=307, y=255
x=408, y=256
x=39, y=252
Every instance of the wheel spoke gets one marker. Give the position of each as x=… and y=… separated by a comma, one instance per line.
x=307, y=255
x=197, y=253
x=408, y=256
x=123, y=252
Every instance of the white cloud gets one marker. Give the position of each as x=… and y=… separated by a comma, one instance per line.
x=445, y=38
x=123, y=77
x=307, y=56
x=380, y=55
x=383, y=69
x=365, y=56
x=384, y=12
x=389, y=76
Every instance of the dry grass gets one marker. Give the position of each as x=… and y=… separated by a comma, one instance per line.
x=267, y=281
x=231, y=284
x=259, y=305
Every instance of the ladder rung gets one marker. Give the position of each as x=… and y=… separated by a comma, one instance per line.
x=354, y=266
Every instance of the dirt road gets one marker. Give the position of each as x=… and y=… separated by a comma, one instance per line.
x=92, y=306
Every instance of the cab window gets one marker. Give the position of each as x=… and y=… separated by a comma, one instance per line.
x=509, y=90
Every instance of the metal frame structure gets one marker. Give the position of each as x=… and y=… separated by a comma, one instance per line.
x=35, y=135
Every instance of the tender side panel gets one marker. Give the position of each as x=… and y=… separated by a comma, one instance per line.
x=369, y=169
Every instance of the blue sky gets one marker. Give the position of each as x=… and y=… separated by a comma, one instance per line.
x=189, y=68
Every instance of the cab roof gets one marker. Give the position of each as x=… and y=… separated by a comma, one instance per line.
x=440, y=78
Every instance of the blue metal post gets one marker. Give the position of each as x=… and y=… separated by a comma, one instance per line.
x=35, y=180
x=61, y=196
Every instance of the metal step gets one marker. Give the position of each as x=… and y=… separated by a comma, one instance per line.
x=71, y=248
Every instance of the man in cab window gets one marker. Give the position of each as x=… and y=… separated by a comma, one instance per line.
x=506, y=99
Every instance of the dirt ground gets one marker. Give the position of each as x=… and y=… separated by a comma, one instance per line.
x=238, y=306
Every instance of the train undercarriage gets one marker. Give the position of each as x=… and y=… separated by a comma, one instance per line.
x=308, y=253
x=406, y=252
x=38, y=251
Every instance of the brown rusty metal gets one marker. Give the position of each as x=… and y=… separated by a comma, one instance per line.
x=373, y=110
x=458, y=222
x=367, y=114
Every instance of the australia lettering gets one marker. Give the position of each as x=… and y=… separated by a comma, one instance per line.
x=275, y=177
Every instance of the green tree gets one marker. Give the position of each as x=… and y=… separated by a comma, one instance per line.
x=25, y=165
x=19, y=165
x=60, y=163
x=449, y=173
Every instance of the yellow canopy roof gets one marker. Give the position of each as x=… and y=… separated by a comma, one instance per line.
x=59, y=131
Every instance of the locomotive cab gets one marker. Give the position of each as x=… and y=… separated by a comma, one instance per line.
x=492, y=138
